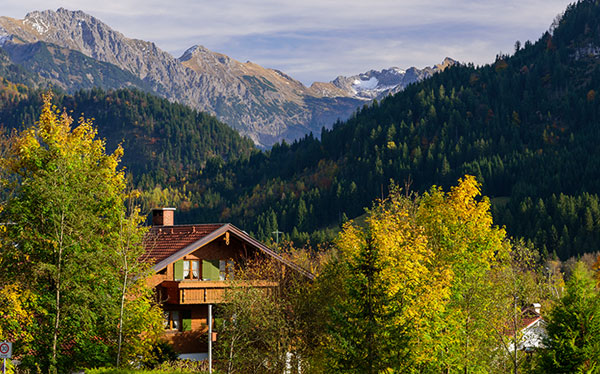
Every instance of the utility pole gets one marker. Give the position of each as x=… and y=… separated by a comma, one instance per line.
x=210, y=338
x=516, y=357
x=277, y=232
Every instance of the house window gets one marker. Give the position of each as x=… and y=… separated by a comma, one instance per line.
x=172, y=321
x=226, y=269
x=176, y=320
x=191, y=269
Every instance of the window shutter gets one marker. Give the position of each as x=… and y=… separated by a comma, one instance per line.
x=186, y=320
x=178, y=270
x=210, y=270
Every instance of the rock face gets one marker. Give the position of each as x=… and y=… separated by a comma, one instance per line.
x=69, y=69
x=75, y=50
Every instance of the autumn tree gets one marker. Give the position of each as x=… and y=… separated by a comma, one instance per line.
x=573, y=341
x=276, y=326
x=255, y=330
x=140, y=319
x=464, y=241
x=390, y=291
x=63, y=213
x=418, y=295
x=16, y=317
x=253, y=336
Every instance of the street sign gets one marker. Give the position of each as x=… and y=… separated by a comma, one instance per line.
x=5, y=349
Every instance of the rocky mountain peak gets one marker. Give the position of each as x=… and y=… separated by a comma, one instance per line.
x=51, y=23
x=204, y=61
x=376, y=84
x=446, y=63
x=75, y=30
x=194, y=51
x=189, y=53
x=263, y=103
x=199, y=57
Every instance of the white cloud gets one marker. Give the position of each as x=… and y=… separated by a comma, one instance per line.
x=319, y=39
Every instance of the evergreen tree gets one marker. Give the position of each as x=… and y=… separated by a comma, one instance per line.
x=573, y=341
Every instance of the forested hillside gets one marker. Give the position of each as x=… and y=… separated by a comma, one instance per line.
x=526, y=126
x=61, y=65
x=164, y=142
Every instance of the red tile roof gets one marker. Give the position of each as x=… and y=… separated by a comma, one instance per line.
x=529, y=317
x=165, y=244
x=528, y=321
x=163, y=241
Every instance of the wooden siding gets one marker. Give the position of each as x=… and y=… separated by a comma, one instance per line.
x=193, y=341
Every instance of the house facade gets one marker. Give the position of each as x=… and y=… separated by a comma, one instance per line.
x=532, y=330
x=193, y=265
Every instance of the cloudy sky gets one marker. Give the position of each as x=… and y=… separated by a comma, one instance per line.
x=317, y=40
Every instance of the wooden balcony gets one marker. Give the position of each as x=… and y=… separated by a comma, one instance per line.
x=202, y=292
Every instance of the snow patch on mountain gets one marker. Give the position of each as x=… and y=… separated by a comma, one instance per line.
x=376, y=84
x=362, y=85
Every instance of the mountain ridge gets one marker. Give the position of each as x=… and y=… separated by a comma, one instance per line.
x=265, y=104
x=376, y=84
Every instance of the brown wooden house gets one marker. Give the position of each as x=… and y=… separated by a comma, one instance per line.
x=192, y=265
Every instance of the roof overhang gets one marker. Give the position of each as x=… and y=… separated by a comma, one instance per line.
x=241, y=235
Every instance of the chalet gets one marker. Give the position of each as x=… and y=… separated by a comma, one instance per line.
x=192, y=265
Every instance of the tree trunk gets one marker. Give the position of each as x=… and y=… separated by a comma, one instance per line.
x=230, y=363
x=53, y=367
x=121, y=312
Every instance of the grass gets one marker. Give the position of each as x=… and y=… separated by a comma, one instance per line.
x=134, y=371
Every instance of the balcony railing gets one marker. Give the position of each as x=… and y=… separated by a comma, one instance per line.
x=203, y=292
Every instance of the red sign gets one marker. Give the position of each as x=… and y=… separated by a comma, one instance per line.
x=5, y=349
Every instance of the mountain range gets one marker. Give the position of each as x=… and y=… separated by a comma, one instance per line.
x=73, y=50
x=525, y=125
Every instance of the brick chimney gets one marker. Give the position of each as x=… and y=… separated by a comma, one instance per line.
x=163, y=217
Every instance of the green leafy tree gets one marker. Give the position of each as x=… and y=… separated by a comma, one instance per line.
x=573, y=341
x=140, y=321
x=65, y=210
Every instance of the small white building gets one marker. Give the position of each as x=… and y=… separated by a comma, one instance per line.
x=532, y=331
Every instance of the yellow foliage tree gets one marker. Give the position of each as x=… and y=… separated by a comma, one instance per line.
x=460, y=229
x=16, y=305
x=417, y=285
x=392, y=289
